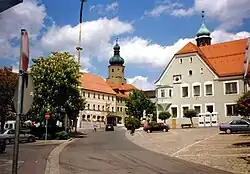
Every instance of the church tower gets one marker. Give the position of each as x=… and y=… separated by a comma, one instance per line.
x=116, y=67
x=203, y=35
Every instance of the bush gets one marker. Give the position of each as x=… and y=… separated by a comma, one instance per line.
x=49, y=137
x=62, y=135
x=130, y=122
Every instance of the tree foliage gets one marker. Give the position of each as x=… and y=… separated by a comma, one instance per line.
x=164, y=116
x=132, y=122
x=137, y=102
x=243, y=105
x=56, y=81
x=190, y=113
x=8, y=83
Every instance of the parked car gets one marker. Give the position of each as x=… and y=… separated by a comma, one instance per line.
x=156, y=127
x=2, y=145
x=109, y=127
x=242, y=125
x=9, y=135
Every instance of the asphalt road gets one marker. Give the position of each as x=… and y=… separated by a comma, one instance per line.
x=111, y=153
x=32, y=158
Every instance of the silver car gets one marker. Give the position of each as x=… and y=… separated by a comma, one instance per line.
x=242, y=125
x=9, y=136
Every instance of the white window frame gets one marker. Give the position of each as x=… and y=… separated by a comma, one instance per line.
x=225, y=108
x=186, y=105
x=160, y=92
x=209, y=104
x=185, y=85
x=196, y=84
x=175, y=106
x=231, y=81
x=200, y=105
x=205, y=91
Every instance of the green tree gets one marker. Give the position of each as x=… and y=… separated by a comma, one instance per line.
x=190, y=113
x=164, y=116
x=132, y=122
x=56, y=81
x=243, y=105
x=8, y=83
x=137, y=102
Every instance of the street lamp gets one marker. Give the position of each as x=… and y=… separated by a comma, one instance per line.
x=79, y=48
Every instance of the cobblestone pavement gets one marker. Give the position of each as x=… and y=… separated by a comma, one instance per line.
x=200, y=145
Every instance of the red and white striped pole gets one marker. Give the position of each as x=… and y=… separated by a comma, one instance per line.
x=23, y=67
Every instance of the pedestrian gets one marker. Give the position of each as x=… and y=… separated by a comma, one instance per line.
x=132, y=130
x=94, y=127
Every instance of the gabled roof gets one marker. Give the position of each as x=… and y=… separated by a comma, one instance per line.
x=224, y=59
x=95, y=83
x=120, y=89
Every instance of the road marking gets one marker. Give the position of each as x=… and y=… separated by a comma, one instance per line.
x=229, y=155
x=197, y=142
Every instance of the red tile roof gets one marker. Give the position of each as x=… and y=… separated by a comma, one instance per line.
x=120, y=89
x=95, y=83
x=225, y=59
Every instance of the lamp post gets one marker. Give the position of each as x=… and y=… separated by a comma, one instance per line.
x=79, y=48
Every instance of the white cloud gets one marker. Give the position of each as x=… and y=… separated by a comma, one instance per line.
x=105, y=10
x=227, y=12
x=141, y=83
x=29, y=15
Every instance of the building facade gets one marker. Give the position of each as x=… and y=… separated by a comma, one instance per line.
x=204, y=77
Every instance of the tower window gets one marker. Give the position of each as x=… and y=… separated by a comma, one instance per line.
x=190, y=72
x=112, y=70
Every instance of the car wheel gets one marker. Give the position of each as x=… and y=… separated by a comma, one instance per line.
x=148, y=131
x=228, y=131
x=164, y=130
x=7, y=141
x=30, y=139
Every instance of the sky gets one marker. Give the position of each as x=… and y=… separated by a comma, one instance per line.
x=150, y=32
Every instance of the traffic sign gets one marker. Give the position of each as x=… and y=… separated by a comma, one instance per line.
x=24, y=50
x=6, y=4
x=28, y=94
x=47, y=116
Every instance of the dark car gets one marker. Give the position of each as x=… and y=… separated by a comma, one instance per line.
x=2, y=145
x=109, y=127
x=156, y=127
x=242, y=125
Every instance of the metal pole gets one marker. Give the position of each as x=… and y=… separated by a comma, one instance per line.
x=19, y=113
x=46, y=131
x=79, y=48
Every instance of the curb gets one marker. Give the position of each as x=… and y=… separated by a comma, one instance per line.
x=52, y=164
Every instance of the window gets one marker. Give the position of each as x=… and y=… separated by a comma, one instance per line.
x=88, y=106
x=121, y=109
x=98, y=96
x=231, y=88
x=190, y=72
x=197, y=90
x=210, y=108
x=112, y=109
x=98, y=107
x=184, y=109
x=180, y=61
x=108, y=97
x=201, y=70
x=112, y=70
x=176, y=79
x=93, y=107
x=174, y=112
x=103, y=97
x=88, y=94
x=118, y=109
x=103, y=108
x=83, y=93
x=185, y=91
x=197, y=109
x=230, y=110
x=94, y=95
x=162, y=93
x=112, y=98
x=170, y=92
x=191, y=60
x=209, y=89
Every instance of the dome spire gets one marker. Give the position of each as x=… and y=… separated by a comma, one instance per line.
x=116, y=48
